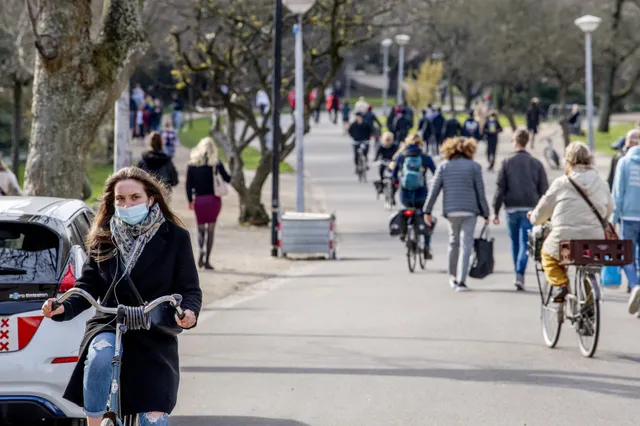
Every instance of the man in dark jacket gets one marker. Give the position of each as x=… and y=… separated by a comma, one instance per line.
x=452, y=127
x=425, y=127
x=360, y=133
x=401, y=126
x=522, y=181
x=438, y=127
x=533, y=120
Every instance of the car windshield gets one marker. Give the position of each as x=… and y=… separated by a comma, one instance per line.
x=28, y=253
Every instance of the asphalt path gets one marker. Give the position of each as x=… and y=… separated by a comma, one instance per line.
x=361, y=341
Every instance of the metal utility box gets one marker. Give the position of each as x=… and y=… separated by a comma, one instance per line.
x=307, y=233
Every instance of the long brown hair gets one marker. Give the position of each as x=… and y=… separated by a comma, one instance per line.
x=99, y=241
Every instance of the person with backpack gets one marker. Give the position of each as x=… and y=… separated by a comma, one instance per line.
x=460, y=178
x=410, y=174
x=471, y=127
x=522, y=181
x=492, y=129
x=157, y=163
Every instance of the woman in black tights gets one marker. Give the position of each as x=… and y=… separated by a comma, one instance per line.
x=203, y=166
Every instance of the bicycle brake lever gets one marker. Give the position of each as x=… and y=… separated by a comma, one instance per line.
x=179, y=312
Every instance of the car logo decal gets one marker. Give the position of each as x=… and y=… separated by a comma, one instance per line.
x=14, y=296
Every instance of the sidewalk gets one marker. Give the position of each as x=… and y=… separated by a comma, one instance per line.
x=241, y=254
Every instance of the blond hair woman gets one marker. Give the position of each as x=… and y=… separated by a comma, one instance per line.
x=570, y=215
x=203, y=166
x=8, y=182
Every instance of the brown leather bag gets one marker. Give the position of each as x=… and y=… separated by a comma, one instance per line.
x=609, y=231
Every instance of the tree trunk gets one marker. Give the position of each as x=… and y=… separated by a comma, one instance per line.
x=16, y=129
x=77, y=80
x=508, y=109
x=452, y=99
x=606, y=104
x=564, y=89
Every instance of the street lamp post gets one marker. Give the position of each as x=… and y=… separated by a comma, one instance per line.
x=386, y=43
x=299, y=7
x=401, y=40
x=275, y=126
x=589, y=24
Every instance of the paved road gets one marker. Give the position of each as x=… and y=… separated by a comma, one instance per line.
x=360, y=341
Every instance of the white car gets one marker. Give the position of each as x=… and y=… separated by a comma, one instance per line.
x=41, y=253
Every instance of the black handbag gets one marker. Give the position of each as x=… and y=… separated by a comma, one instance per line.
x=163, y=317
x=482, y=264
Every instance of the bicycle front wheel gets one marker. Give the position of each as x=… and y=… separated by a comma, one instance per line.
x=588, y=322
x=551, y=314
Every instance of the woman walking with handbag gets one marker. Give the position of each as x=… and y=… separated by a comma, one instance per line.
x=460, y=178
x=134, y=238
x=206, y=181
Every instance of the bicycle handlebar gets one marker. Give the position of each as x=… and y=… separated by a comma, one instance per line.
x=174, y=299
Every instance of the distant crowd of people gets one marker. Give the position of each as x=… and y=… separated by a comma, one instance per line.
x=146, y=110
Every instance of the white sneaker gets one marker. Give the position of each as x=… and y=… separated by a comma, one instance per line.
x=453, y=283
x=634, y=300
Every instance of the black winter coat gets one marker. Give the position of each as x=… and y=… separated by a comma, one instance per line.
x=159, y=165
x=150, y=364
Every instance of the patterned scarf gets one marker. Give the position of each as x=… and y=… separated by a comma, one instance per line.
x=131, y=239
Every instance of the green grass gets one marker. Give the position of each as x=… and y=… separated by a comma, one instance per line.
x=199, y=128
x=98, y=174
x=603, y=141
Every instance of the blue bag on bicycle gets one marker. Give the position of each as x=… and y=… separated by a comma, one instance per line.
x=611, y=276
x=412, y=173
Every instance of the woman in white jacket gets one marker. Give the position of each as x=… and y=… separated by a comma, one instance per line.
x=8, y=182
x=571, y=217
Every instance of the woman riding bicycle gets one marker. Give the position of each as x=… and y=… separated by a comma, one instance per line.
x=410, y=173
x=385, y=153
x=569, y=213
x=135, y=233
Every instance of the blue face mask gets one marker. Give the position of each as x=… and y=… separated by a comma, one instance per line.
x=132, y=215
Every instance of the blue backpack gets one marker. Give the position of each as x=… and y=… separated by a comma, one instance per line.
x=412, y=173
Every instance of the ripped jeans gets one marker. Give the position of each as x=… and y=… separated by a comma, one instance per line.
x=97, y=380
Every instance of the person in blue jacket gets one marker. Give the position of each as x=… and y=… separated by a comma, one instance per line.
x=626, y=201
x=471, y=127
x=410, y=174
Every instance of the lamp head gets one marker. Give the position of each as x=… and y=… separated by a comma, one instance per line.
x=402, y=39
x=588, y=23
x=299, y=7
